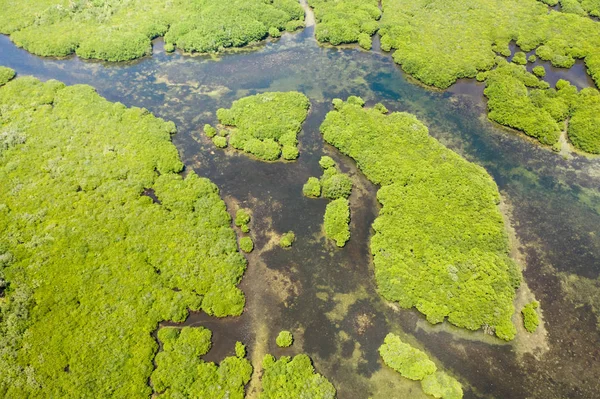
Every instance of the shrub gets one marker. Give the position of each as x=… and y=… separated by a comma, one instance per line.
x=532, y=58
x=287, y=239
x=337, y=219
x=312, y=188
x=210, y=131
x=284, y=339
x=274, y=32
x=530, y=316
x=266, y=125
x=240, y=350
x=381, y=108
x=246, y=244
x=293, y=378
x=441, y=385
x=326, y=162
x=520, y=58
x=408, y=361
x=364, y=41
x=6, y=74
x=430, y=265
x=336, y=186
x=347, y=21
x=539, y=71
x=220, y=141
x=242, y=217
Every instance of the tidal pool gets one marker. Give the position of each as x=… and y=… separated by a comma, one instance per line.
x=327, y=296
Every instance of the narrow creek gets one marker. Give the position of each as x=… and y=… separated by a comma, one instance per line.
x=327, y=296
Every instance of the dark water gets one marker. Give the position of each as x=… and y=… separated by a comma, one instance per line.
x=327, y=296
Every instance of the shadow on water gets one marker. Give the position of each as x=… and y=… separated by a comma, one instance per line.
x=327, y=296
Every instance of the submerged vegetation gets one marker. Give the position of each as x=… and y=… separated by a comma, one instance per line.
x=449, y=258
x=439, y=42
x=91, y=264
x=518, y=99
x=284, y=339
x=266, y=125
x=181, y=373
x=415, y=365
x=293, y=378
x=530, y=316
x=347, y=21
x=121, y=30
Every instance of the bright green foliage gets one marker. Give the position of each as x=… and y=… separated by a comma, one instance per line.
x=245, y=228
x=532, y=58
x=381, y=108
x=364, y=41
x=287, y=239
x=246, y=244
x=326, y=162
x=335, y=185
x=284, y=339
x=408, y=361
x=530, y=316
x=181, y=373
x=345, y=21
x=312, y=188
x=288, y=378
x=242, y=217
x=240, y=350
x=220, y=141
x=120, y=30
x=264, y=123
x=520, y=58
x=584, y=125
x=6, y=74
x=210, y=131
x=449, y=257
x=520, y=100
x=539, y=71
x=274, y=32
x=337, y=218
x=440, y=41
x=441, y=385
x=94, y=265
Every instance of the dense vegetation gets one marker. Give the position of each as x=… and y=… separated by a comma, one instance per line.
x=181, y=373
x=91, y=265
x=518, y=99
x=284, y=339
x=530, y=316
x=440, y=243
x=293, y=378
x=414, y=364
x=347, y=21
x=266, y=125
x=120, y=30
x=337, y=218
x=439, y=41
x=287, y=239
x=6, y=74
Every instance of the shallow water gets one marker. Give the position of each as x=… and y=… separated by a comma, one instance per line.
x=327, y=296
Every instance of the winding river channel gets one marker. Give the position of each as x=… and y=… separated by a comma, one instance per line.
x=327, y=296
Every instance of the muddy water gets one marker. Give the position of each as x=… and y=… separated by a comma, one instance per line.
x=327, y=296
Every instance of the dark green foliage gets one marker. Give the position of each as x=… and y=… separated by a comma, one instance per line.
x=220, y=141
x=530, y=316
x=94, y=265
x=210, y=131
x=408, y=361
x=242, y=217
x=246, y=244
x=449, y=258
x=264, y=123
x=346, y=21
x=440, y=41
x=337, y=218
x=120, y=30
x=288, y=378
x=441, y=385
x=520, y=58
x=287, y=239
x=520, y=100
x=539, y=71
x=6, y=74
x=312, y=188
x=180, y=372
x=284, y=339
